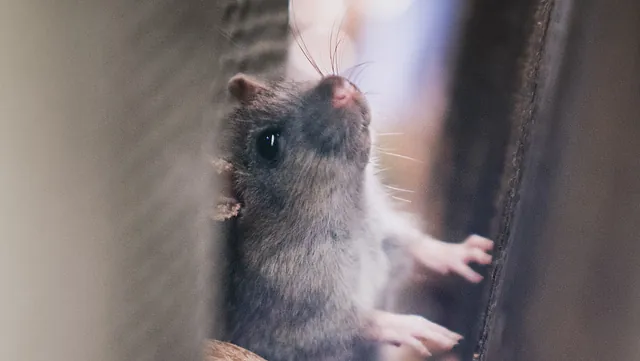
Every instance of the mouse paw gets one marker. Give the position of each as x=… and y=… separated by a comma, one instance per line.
x=446, y=258
x=411, y=330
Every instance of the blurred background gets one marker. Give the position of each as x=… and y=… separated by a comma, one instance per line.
x=400, y=55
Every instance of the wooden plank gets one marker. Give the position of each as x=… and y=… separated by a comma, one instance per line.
x=107, y=182
x=493, y=91
x=570, y=286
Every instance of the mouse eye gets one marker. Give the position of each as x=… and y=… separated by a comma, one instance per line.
x=268, y=144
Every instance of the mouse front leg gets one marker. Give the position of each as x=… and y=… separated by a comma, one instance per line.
x=428, y=252
x=410, y=330
x=446, y=258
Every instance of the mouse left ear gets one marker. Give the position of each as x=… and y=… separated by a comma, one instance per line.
x=244, y=87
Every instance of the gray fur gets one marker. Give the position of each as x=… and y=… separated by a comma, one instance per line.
x=307, y=263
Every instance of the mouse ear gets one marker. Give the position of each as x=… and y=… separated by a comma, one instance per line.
x=244, y=87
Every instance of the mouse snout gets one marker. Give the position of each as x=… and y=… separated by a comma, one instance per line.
x=338, y=118
x=343, y=93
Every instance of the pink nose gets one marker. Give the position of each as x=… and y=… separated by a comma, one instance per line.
x=343, y=92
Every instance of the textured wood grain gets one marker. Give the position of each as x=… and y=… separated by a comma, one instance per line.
x=116, y=264
x=111, y=114
x=224, y=351
x=493, y=87
x=570, y=284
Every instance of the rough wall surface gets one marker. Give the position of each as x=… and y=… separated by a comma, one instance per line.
x=110, y=110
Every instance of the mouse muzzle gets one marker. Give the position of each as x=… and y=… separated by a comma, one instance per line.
x=346, y=97
x=336, y=119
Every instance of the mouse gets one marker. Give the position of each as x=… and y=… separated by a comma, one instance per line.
x=317, y=242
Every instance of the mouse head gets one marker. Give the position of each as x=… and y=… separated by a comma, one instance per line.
x=292, y=141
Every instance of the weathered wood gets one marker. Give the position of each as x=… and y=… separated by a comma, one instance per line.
x=494, y=87
x=223, y=351
x=106, y=180
x=570, y=285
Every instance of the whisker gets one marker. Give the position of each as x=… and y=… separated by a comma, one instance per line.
x=399, y=189
x=359, y=72
x=338, y=54
x=369, y=62
x=315, y=64
x=331, y=54
x=388, y=134
x=300, y=41
x=401, y=199
x=297, y=37
x=402, y=156
x=357, y=66
x=338, y=40
x=384, y=149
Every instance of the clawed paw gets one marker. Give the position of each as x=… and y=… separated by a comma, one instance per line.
x=413, y=331
x=446, y=258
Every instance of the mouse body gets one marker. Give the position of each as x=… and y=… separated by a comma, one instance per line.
x=309, y=257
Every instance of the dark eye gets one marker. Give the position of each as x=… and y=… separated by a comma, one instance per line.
x=268, y=144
